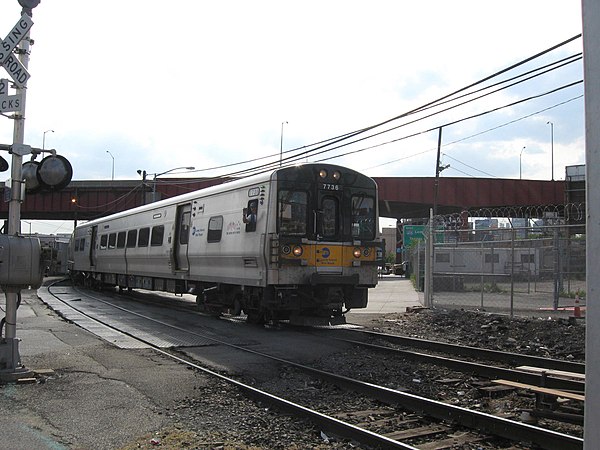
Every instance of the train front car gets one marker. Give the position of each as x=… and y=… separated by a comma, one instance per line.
x=325, y=253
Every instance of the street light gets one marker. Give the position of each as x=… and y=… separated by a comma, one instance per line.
x=163, y=173
x=520, y=156
x=44, y=139
x=281, y=145
x=551, y=145
x=113, y=165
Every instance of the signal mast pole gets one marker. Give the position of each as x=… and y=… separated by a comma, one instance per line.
x=10, y=359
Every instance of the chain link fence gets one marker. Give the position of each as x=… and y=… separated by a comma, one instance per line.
x=512, y=266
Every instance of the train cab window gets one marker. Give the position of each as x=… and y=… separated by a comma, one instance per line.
x=250, y=214
x=363, y=217
x=184, y=228
x=329, y=217
x=131, y=238
x=158, y=233
x=215, y=229
x=103, y=241
x=121, y=239
x=292, y=212
x=144, y=237
x=112, y=240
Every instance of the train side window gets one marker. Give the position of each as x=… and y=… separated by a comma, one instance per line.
x=131, y=238
x=442, y=257
x=121, y=239
x=528, y=258
x=144, y=237
x=492, y=258
x=363, y=217
x=158, y=233
x=215, y=229
x=112, y=240
x=103, y=241
x=82, y=244
x=76, y=245
x=184, y=228
x=250, y=215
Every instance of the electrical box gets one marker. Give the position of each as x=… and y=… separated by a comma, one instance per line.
x=20, y=262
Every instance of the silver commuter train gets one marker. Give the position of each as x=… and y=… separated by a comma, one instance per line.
x=299, y=243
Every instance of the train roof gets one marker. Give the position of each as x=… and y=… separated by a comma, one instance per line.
x=230, y=185
x=182, y=198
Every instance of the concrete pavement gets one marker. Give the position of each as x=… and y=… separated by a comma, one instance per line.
x=393, y=294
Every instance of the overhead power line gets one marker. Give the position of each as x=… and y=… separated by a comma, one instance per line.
x=347, y=139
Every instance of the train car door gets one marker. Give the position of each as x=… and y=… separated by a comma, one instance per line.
x=93, y=238
x=329, y=254
x=184, y=215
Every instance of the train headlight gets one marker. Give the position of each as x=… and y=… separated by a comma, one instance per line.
x=337, y=175
x=298, y=251
x=323, y=173
x=356, y=252
x=286, y=250
x=366, y=252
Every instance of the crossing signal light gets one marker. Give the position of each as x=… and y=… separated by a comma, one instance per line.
x=54, y=172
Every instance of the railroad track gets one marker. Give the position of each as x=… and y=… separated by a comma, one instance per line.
x=475, y=352
x=543, y=378
x=552, y=381
x=407, y=412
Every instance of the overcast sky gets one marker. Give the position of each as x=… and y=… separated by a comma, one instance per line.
x=163, y=84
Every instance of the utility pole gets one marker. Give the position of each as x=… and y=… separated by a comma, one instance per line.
x=21, y=266
x=438, y=169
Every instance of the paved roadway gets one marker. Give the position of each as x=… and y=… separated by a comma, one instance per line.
x=392, y=294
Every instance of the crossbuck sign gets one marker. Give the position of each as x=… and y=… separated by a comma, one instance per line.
x=9, y=103
x=8, y=59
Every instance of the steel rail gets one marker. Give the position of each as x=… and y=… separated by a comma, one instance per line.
x=497, y=426
x=479, y=353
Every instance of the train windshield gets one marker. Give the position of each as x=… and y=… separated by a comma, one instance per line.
x=363, y=217
x=329, y=218
x=293, y=209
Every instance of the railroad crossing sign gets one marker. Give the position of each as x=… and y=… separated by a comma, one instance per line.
x=9, y=103
x=8, y=60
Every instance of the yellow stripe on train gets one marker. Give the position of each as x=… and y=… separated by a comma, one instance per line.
x=331, y=255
